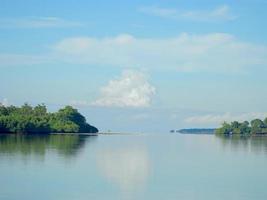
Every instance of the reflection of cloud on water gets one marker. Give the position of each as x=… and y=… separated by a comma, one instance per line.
x=127, y=168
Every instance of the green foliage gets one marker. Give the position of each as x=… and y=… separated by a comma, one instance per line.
x=256, y=126
x=226, y=128
x=244, y=128
x=265, y=122
x=27, y=119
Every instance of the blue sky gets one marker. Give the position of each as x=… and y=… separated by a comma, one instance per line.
x=137, y=65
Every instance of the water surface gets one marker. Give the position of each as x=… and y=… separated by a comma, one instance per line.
x=156, y=167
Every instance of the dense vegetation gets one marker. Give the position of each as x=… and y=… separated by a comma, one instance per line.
x=255, y=127
x=28, y=119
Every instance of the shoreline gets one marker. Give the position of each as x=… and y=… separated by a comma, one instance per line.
x=44, y=134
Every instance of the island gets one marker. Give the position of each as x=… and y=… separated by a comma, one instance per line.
x=36, y=120
x=255, y=127
x=197, y=131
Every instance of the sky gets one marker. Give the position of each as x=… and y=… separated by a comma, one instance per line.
x=137, y=66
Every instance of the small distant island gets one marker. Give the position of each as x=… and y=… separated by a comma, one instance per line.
x=255, y=127
x=197, y=131
x=36, y=120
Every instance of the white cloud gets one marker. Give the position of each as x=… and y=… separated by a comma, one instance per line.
x=37, y=22
x=132, y=89
x=217, y=52
x=4, y=102
x=217, y=119
x=221, y=13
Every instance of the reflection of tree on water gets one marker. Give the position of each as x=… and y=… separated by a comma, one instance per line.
x=67, y=145
x=256, y=144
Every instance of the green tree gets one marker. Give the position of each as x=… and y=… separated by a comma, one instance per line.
x=40, y=110
x=244, y=128
x=265, y=122
x=225, y=129
x=256, y=126
x=26, y=109
x=3, y=110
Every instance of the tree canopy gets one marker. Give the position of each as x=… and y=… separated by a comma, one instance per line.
x=28, y=119
x=256, y=126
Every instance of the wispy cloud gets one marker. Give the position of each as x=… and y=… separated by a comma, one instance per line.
x=132, y=89
x=217, y=119
x=216, y=52
x=7, y=60
x=221, y=13
x=38, y=22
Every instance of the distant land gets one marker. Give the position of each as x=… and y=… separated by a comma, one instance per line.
x=195, y=131
x=36, y=120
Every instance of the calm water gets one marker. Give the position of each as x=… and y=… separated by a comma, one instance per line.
x=169, y=167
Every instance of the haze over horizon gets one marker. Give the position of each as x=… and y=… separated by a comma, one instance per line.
x=140, y=66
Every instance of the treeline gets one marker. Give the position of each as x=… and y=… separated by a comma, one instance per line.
x=36, y=120
x=197, y=131
x=256, y=126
